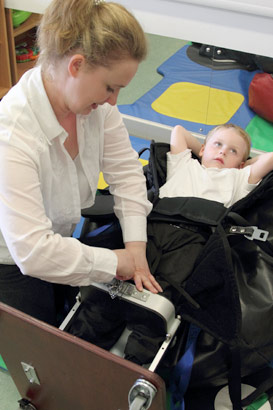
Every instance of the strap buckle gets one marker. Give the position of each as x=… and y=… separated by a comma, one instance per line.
x=250, y=232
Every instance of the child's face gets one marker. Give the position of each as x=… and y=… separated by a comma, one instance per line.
x=224, y=149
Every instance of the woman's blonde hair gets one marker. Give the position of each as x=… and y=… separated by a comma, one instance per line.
x=240, y=132
x=100, y=31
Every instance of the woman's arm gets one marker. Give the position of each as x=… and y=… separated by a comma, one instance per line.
x=123, y=171
x=28, y=233
x=142, y=275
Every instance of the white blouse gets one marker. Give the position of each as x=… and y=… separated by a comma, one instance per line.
x=82, y=181
x=40, y=194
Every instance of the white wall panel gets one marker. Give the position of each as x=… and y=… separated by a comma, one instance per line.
x=245, y=25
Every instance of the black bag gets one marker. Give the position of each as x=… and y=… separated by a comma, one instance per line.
x=231, y=283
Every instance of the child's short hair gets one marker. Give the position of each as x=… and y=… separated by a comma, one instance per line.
x=239, y=130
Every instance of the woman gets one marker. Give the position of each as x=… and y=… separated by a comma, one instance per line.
x=59, y=128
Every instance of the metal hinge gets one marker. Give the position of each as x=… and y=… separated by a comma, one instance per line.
x=30, y=373
x=121, y=288
x=26, y=405
x=141, y=395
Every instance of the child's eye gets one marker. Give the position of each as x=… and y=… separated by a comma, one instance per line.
x=218, y=144
x=233, y=151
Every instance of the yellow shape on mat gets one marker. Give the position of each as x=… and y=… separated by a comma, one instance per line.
x=198, y=103
x=102, y=184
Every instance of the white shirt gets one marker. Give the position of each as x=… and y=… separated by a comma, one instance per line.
x=186, y=177
x=42, y=190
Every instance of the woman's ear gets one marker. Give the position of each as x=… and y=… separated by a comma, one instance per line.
x=75, y=64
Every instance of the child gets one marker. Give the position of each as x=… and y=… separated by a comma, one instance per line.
x=223, y=176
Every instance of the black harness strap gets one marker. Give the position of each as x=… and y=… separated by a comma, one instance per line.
x=234, y=378
x=182, y=291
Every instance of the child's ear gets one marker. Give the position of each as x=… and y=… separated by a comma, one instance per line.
x=201, y=151
x=242, y=165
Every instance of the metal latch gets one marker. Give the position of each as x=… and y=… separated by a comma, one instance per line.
x=250, y=232
x=115, y=288
x=121, y=288
x=131, y=290
x=142, y=393
x=30, y=372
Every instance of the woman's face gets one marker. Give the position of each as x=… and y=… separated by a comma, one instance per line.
x=86, y=88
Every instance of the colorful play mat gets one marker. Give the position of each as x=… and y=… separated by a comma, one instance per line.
x=2, y=364
x=200, y=97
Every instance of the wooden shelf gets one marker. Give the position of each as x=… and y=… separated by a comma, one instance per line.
x=5, y=74
x=31, y=22
x=3, y=91
x=18, y=69
x=23, y=67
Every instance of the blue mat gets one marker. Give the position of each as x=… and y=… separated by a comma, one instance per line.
x=140, y=143
x=179, y=68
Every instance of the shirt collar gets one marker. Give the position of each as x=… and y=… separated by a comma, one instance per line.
x=41, y=106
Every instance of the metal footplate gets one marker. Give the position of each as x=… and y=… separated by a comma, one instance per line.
x=153, y=302
x=250, y=232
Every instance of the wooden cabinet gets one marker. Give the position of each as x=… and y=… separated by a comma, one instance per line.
x=5, y=74
x=14, y=35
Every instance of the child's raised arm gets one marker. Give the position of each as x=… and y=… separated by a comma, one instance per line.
x=260, y=166
x=181, y=139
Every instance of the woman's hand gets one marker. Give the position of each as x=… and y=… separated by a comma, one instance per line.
x=126, y=265
x=142, y=275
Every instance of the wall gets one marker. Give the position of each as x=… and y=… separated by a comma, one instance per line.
x=244, y=25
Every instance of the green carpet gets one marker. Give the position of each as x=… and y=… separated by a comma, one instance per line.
x=2, y=364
